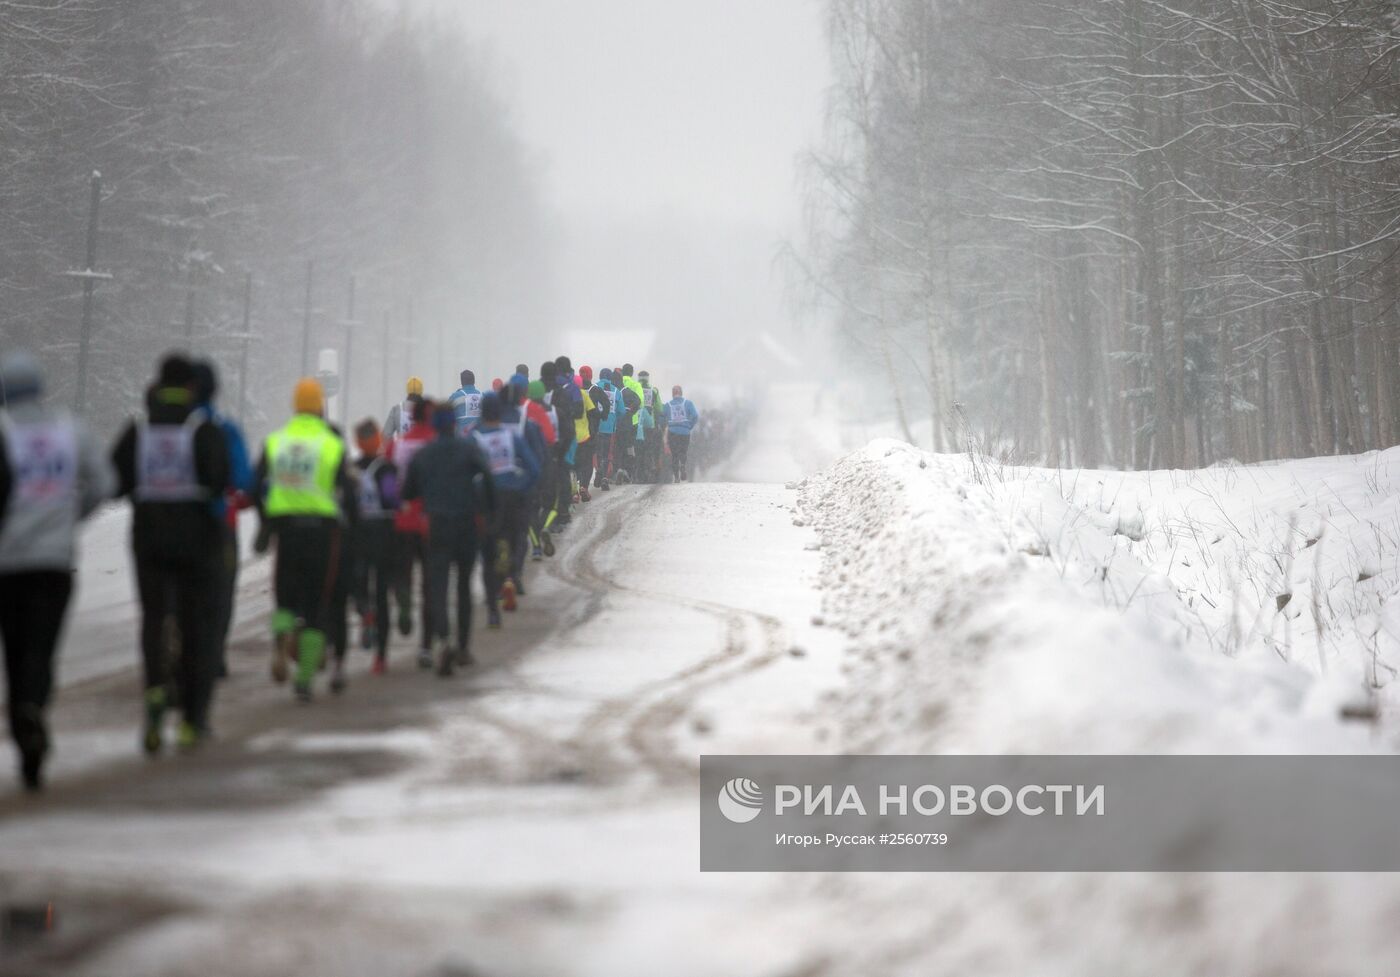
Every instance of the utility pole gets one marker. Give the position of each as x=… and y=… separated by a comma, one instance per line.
x=90, y=276
x=384, y=366
x=409, y=342
x=189, y=320
x=306, y=322
x=246, y=337
x=350, y=325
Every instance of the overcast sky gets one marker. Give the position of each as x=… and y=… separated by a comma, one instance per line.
x=669, y=132
x=691, y=107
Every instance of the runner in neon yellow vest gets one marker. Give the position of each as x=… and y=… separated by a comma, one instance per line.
x=299, y=481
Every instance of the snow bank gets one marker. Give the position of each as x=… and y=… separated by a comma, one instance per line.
x=992, y=609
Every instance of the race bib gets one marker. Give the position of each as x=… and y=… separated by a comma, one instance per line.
x=165, y=468
x=499, y=448
x=294, y=467
x=43, y=461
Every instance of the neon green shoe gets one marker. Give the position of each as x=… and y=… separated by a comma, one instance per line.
x=311, y=649
x=188, y=737
x=155, y=717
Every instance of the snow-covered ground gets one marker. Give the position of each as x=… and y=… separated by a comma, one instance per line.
x=538, y=815
x=1025, y=610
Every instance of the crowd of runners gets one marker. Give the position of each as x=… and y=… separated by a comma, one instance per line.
x=352, y=521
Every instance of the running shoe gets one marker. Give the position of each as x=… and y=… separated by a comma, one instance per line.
x=380, y=665
x=155, y=718
x=189, y=737
x=508, y=593
x=425, y=658
x=493, y=618
x=338, y=676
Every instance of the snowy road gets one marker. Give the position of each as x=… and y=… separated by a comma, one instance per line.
x=548, y=792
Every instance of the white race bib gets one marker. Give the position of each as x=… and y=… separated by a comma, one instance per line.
x=499, y=448
x=43, y=461
x=165, y=468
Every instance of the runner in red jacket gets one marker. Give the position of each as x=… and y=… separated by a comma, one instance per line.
x=411, y=529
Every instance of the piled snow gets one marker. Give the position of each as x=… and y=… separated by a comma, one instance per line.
x=995, y=610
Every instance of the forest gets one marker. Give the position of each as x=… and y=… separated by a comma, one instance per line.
x=1132, y=233
x=275, y=175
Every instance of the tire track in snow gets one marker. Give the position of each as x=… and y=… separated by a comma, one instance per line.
x=643, y=717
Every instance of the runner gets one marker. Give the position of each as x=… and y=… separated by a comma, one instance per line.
x=631, y=450
x=52, y=476
x=466, y=402
x=531, y=421
x=373, y=543
x=681, y=418
x=515, y=469
x=607, y=427
x=544, y=416
x=225, y=507
x=567, y=401
x=597, y=405
x=451, y=478
x=301, y=482
x=650, y=462
x=173, y=465
x=400, y=417
x=411, y=531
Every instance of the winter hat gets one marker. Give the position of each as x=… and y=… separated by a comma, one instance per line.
x=606, y=375
x=536, y=390
x=627, y=369
x=497, y=384
x=564, y=365
x=21, y=378
x=491, y=407
x=587, y=373
x=308, y=397
x=548, y=371
x=414, y=386
x=175, y=371
x=468, y=378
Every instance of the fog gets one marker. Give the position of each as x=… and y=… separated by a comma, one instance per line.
x=371, y=190
x=668, y=137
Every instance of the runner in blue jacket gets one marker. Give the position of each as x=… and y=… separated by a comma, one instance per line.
x=681, y=418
